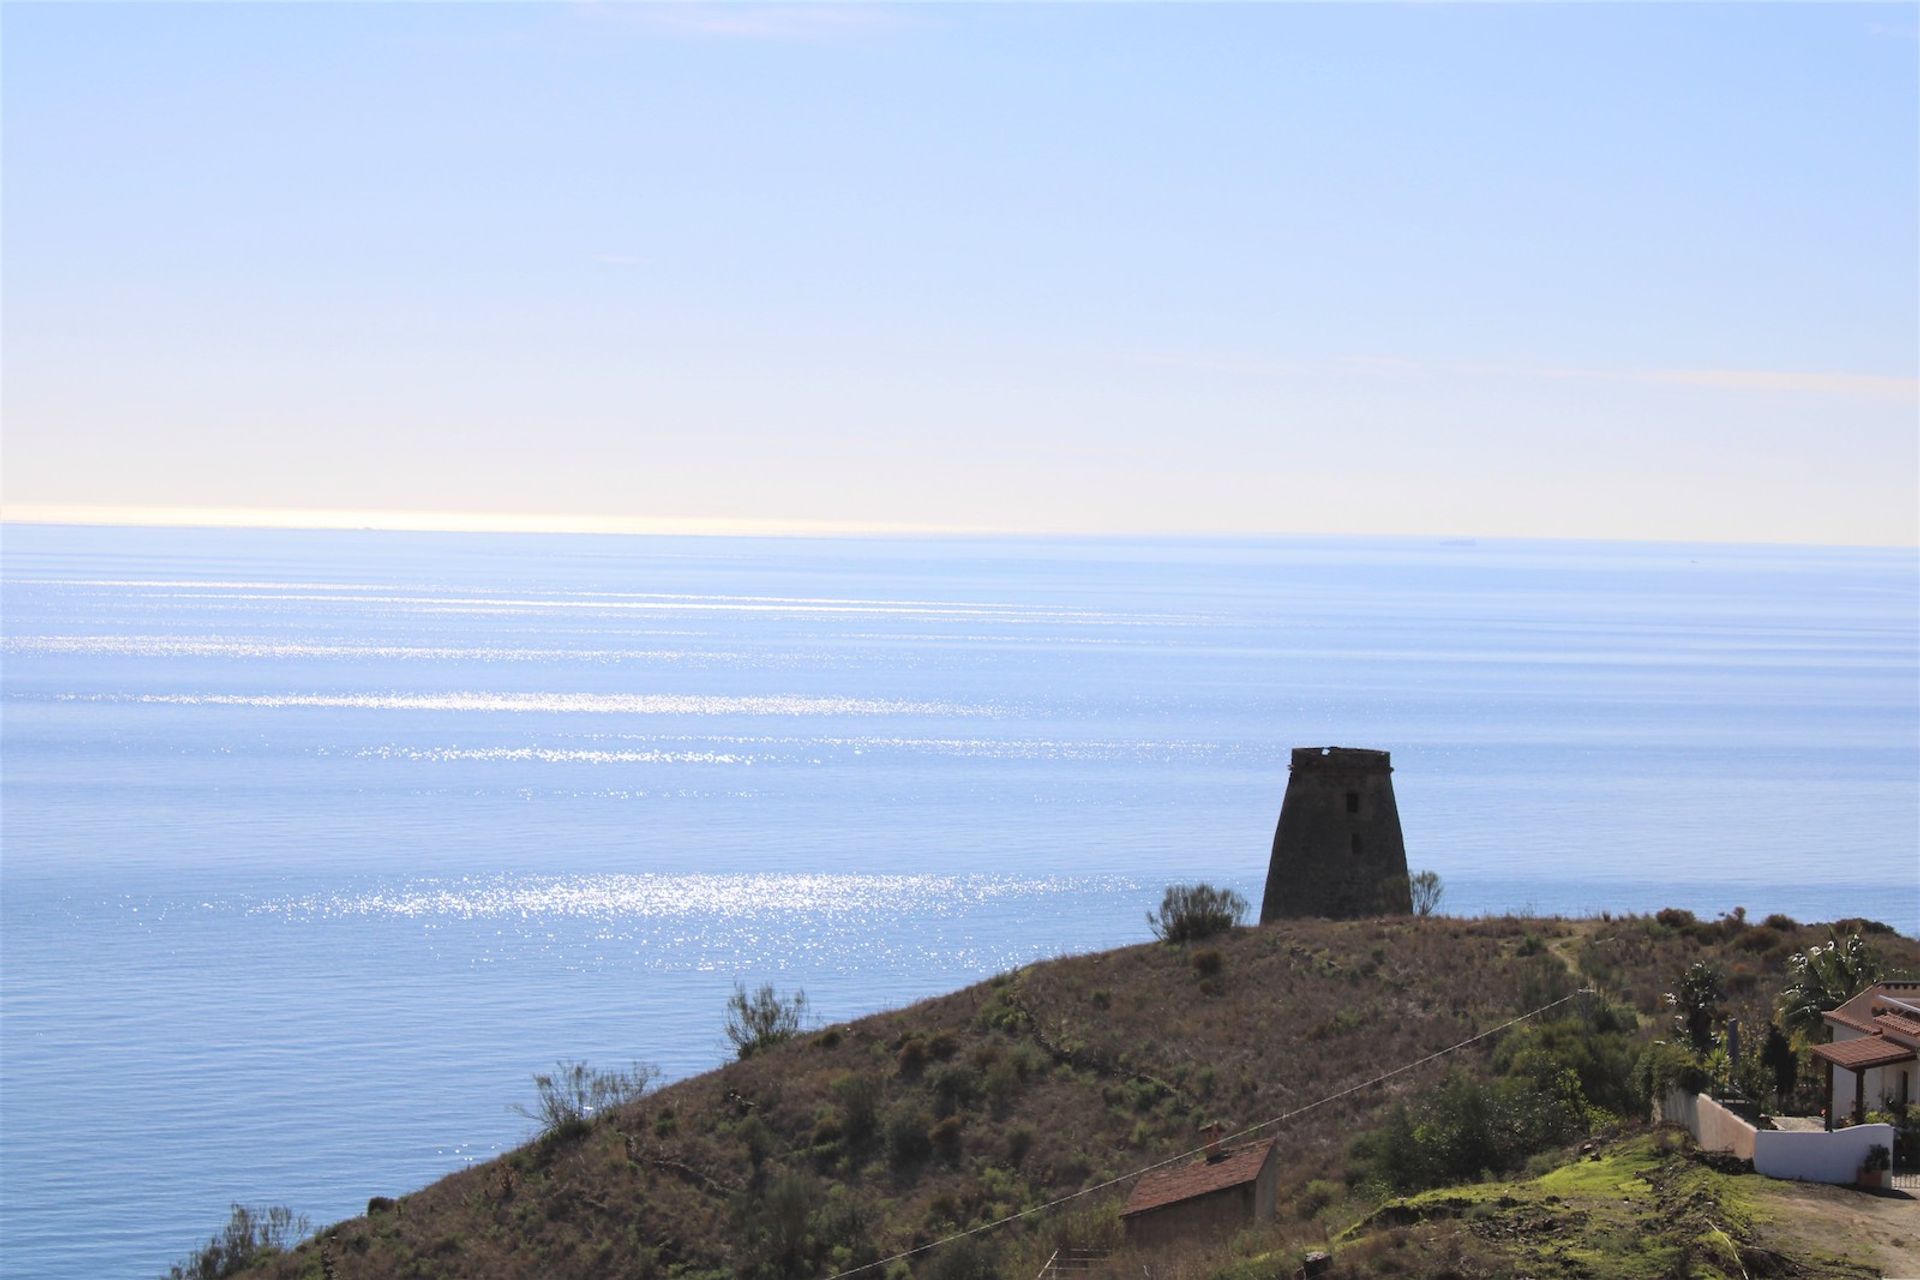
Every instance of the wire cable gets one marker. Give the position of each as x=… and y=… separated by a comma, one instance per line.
x=1232, y=1137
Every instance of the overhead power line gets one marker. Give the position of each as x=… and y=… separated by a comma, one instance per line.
x=1282, y=1118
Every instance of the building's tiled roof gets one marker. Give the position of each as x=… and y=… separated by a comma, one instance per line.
x=1902, y=1023
x=1848, y=1020
x=1199, y=1177
x=1858, y=1055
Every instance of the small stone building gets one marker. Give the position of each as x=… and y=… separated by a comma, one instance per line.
x=1209, y=1198
x=1337, y=851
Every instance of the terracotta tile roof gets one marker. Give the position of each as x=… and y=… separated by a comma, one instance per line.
x=1903, y=1023
x=1848, y=1020
x=1199, y=1177
x=1858, y=1055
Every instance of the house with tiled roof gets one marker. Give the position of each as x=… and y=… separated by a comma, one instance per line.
x=1210, y=1197
x=1873, y=1058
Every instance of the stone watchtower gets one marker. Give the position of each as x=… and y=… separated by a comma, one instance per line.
x=1337, y=851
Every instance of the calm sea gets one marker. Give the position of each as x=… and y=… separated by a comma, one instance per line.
x=318, y=845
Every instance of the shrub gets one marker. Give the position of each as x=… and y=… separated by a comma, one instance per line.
x=771, y=1227
x=570, y=1098
x=1427, y=891
x=763, y=1018
x=1785, y=924
x=1190, y=912
x=1675, y=918
x=1466, y=1128
x=1206, y=963
x=1315, y=1196
x=1665, y=1066
x=250, y=1236
x=1596, y=1046
x=757, y=1138
x=1002, y=1082
x=965, y=1259
x=907, y=1142
x=953, y=1088
x=944, y=1137
x=912, y=1057
x=859, y=1099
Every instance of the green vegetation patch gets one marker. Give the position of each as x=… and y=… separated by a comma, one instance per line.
x=1641, y=1210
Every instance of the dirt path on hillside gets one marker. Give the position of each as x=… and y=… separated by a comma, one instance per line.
x=1881, y=1230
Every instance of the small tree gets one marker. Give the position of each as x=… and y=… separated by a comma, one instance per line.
x=1427, y=892
x=764, y=1018
x=1696, y=1006
x=250, y=1236
x=1190, y=912
x=570, y=1098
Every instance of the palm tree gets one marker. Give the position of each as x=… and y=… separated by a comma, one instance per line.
x=1824, y=978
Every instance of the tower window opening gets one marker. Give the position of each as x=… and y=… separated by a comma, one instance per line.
x=1356, y=842
x=1353, y=802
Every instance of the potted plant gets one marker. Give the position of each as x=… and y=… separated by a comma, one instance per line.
x=1873, y=1171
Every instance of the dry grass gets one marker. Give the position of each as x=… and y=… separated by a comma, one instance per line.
x=904, y=1126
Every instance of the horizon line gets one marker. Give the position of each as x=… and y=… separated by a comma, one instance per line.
x=388, y=520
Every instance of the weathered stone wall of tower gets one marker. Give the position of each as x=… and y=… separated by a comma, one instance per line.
x=1337, y=851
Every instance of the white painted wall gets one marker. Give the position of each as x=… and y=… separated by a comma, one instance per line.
x=1818, y=1157
x=1882, y=1083
x=1713, y=1126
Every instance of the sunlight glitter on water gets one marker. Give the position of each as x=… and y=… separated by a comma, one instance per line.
x=248, y=647
x=789, y=749
x=658, y=704
x=742, y=898
x=549, y=755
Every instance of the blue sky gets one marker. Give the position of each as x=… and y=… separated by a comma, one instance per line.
x=1594, y=271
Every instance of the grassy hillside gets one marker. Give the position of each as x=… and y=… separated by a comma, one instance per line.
x=856, y=1141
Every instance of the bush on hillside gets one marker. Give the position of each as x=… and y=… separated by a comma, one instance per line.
x=907, y=1141
x=568, y=1100
x=1465, y=1129
x=1427, y=891
x=764, y=1018
x=1597, y=1044
x=250, y=1236
x=859, y=1097
x=1190, y=912
x=964, y=1259
x=773, y=1229
x=1664, y=1066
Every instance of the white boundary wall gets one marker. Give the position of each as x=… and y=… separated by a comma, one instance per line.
x=1801, y=1157
x=1818, y=1157
x=1713, y=1126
